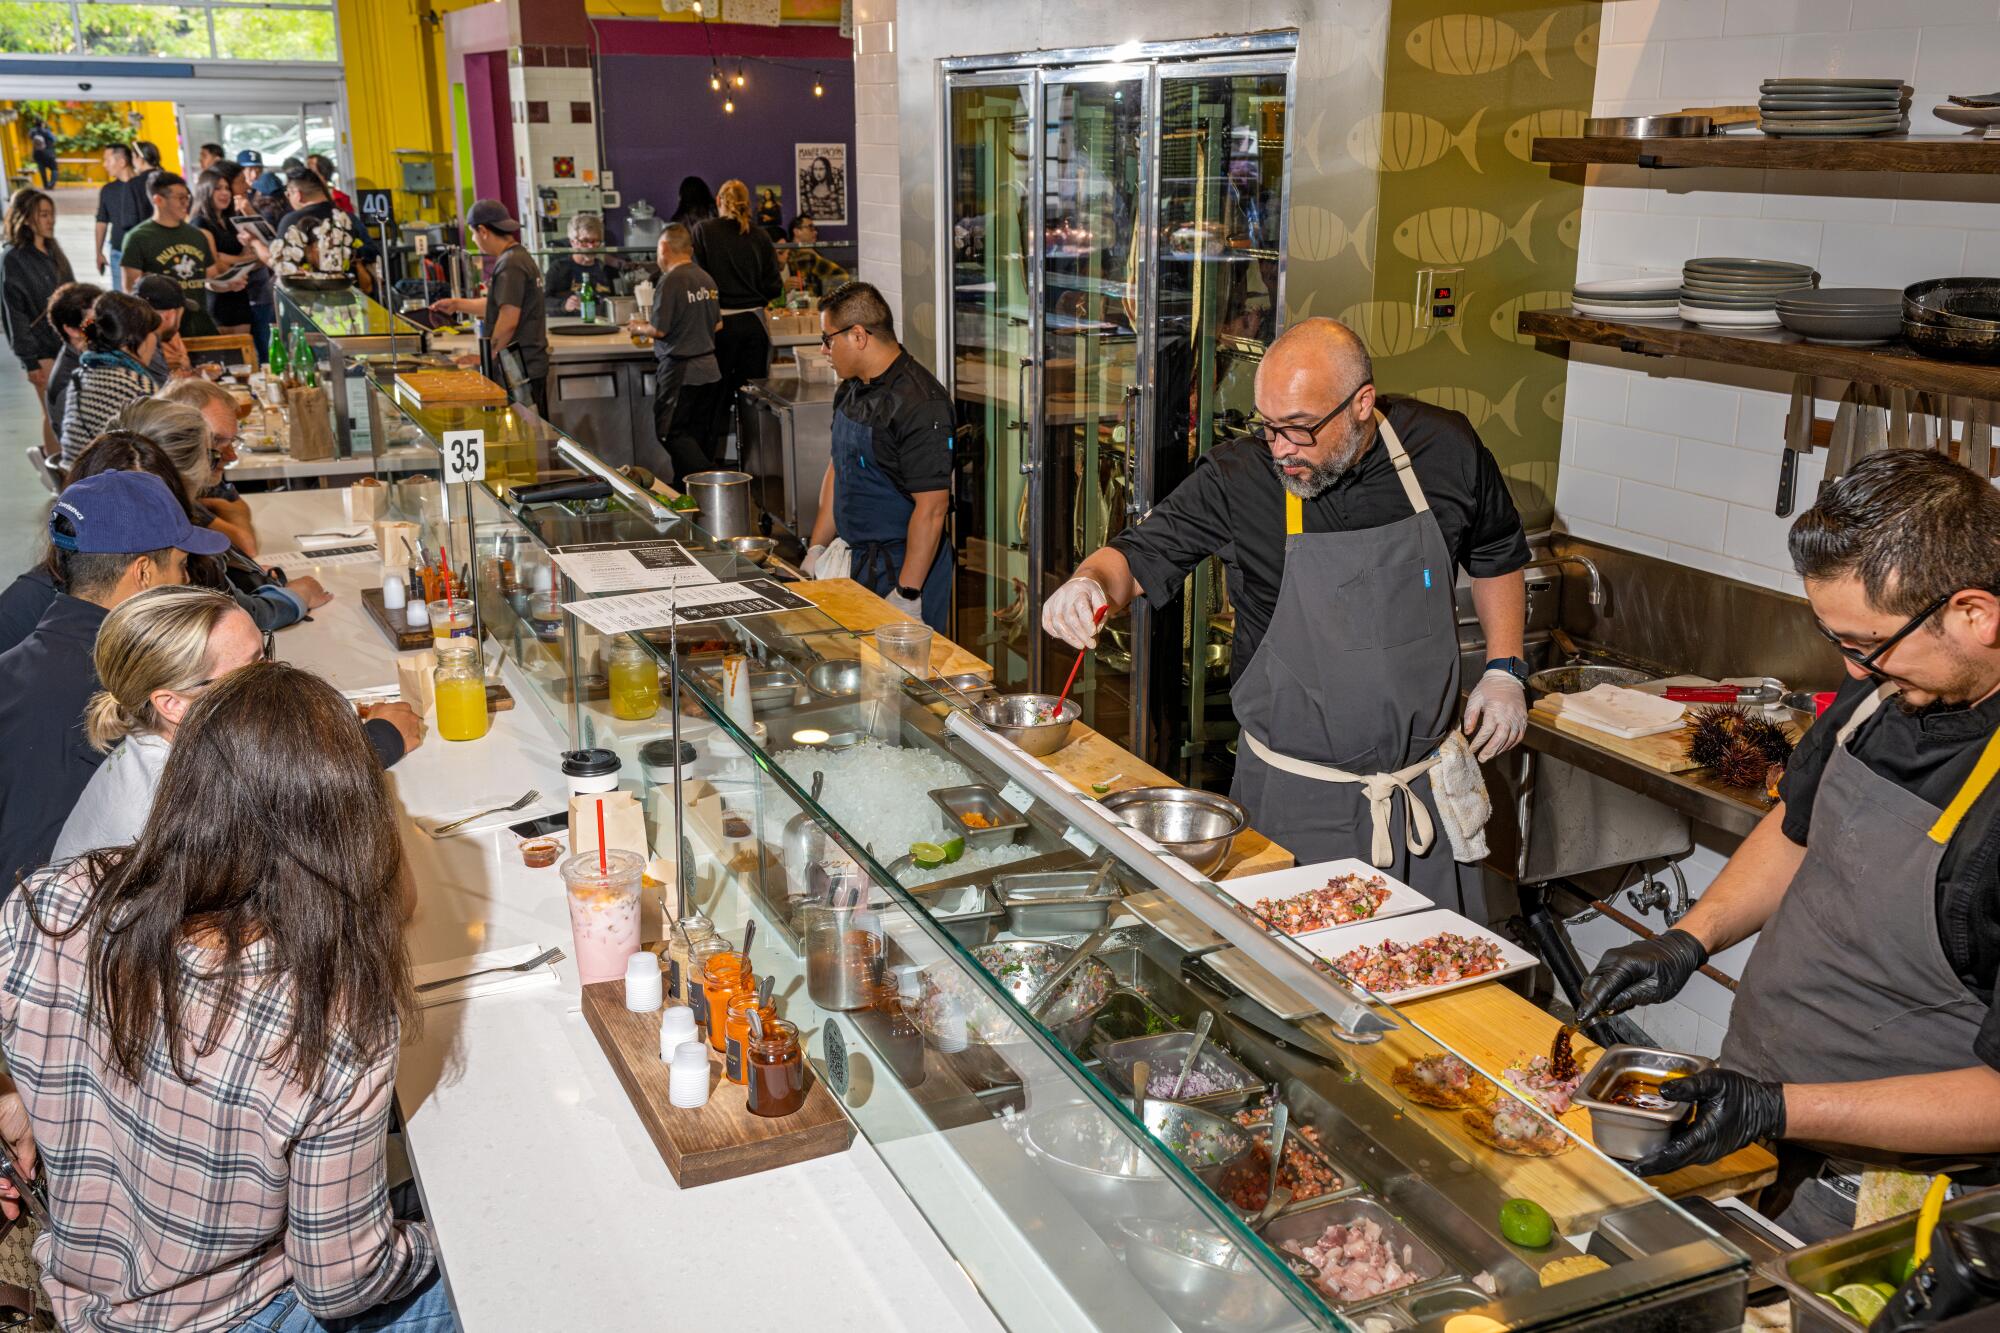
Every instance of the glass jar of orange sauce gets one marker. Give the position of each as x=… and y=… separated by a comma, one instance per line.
x=725, y=975
x=736, y=1031
x=777, y=1070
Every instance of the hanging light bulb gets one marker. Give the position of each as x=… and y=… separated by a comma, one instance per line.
x=729, y=105
x=819, y=89
x=695, y=8
x=739, y=76
x=715, y=82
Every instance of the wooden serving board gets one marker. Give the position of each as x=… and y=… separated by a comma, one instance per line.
x=1491, y=1026
x=450, y=386
x=391, y=624
x=1664, y=750
x=719, y=1141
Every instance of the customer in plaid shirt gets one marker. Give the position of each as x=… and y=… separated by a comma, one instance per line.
x=209, y=1083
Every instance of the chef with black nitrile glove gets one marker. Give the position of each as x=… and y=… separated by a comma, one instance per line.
x=1863, y=1030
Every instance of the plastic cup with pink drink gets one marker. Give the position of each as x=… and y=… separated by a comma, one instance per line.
x=603, y=895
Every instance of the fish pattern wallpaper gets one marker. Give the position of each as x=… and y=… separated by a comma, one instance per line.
x=1463, y=96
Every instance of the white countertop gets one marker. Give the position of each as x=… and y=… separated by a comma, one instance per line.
x=553, y=1209
x=279, y=465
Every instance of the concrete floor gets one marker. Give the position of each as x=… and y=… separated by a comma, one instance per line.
x=24, y=500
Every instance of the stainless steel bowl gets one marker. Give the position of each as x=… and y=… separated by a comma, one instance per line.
x=1104, y=1174
x=1308, y=1224
x=1200, y=1277
x=757, y=550
x=1207, y=1144
x=839, y=678
x=1577, y=679
x=1167, y=1052
x=1197, y=826
x=996, y=1048
x=1014, y=716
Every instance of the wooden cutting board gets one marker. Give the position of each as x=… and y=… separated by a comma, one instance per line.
x=450, y=386
x=1665, y=750
x=1492, y=1026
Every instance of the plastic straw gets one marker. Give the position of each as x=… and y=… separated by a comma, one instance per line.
x=603, y=861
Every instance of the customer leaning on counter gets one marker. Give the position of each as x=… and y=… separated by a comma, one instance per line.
x=1863, y=1029
x=888, y=484
x=1343, y=520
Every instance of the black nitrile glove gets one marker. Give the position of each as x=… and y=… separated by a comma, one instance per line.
x=1643, y=972
x=1731, y=1111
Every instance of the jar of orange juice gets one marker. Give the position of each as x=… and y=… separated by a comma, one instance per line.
x=459, y=690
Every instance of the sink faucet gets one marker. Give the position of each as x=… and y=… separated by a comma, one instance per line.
x=1596, y=594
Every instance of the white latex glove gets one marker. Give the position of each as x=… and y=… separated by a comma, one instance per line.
x=810, y=565
x=913, y=607
x=1498, y=706
x=1071, y=614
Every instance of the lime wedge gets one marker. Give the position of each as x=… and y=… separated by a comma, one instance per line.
x=928, y=855
x=1864, y=1300
x=1839, y=1305
x=954, y=847
x=1101, y=788
x=1884, y=1290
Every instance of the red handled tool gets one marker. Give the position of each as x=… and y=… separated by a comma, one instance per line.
x=1095, y=621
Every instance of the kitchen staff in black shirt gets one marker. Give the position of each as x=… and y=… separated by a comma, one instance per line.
x=887, y=486
x=516, y=317
x=117, y=534
x=683, y=323
x=744, y=265
x=1343, y=523
x=1863, y=1025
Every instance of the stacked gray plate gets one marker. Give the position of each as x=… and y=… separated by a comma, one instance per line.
x=1828, y=107
x=1844, y=316
x=1739, y=293
x=1656, y=296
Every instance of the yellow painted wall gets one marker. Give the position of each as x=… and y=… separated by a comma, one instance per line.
x=157, y=124
x=398, y=96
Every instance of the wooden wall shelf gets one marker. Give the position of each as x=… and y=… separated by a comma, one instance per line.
x=1947, y=153
x=1776, y=349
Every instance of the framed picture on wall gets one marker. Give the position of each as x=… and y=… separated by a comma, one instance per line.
x=822, y=172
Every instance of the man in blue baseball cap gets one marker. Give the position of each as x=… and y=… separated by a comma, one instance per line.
x=252, y=163
x=115, y=535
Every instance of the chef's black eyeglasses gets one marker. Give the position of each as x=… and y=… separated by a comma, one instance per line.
x=1301, y=437
x=1867, y=660
x=826, y=339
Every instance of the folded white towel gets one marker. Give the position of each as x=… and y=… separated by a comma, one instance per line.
x=1622, y=712
x=1459, y=789
x=493, y=983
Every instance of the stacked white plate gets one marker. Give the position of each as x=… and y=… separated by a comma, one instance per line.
x=1828, y=107
x=1655, y=296
x=1739, y=293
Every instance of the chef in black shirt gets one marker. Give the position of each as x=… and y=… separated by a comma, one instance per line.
x=1343, y=521
x=887, y=486
x=1863, y=1025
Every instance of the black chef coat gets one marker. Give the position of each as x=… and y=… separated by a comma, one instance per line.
x=909, y=417
x=1233, y=505
x=1930, y=754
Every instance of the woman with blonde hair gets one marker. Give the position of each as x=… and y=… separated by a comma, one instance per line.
x=156, y=653
x=744, y=264
x=183, y=434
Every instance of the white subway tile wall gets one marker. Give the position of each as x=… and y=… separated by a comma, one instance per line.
x=1680, y=459
x=879, y=231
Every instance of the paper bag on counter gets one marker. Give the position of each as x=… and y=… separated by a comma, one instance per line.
x=624, y=823
x=397, y=541
x=414, y=672
x=365, y=500
x=311, y=423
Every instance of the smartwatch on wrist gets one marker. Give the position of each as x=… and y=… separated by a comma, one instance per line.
x=1513, y=666
x=914, y=594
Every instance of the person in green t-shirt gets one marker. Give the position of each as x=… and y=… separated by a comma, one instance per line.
x=170, y=245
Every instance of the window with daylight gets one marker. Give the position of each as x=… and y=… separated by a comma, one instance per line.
x=300, y=30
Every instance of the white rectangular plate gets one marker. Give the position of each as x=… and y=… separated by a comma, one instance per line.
x=1331, y=944
x=1402, y=898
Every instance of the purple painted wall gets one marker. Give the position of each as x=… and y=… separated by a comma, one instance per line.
x=492, y=126
x=663, y=122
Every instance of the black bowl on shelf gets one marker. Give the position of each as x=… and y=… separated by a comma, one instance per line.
x=1957, y=319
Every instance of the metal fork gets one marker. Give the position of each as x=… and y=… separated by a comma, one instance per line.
x=529, y=799
x=545, y=956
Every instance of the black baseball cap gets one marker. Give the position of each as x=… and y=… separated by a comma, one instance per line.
x=128, y=513
x=160, y=292
x=491, y=214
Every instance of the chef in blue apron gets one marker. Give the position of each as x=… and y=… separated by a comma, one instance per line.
x=1343, y=521
x=888, y=486
x=1863, y=1032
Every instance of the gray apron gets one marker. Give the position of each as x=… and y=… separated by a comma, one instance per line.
x=1848, y=979
x=1350, y=692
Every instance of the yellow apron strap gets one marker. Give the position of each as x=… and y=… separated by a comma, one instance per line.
x=1295, y=515
x=1976, y=782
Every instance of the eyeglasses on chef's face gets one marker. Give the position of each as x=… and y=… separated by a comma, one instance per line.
x=1300, y=436
x=826, y=339
x=1867, y=659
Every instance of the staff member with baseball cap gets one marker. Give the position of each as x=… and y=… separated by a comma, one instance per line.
x=115, y=534
x=516, y=318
